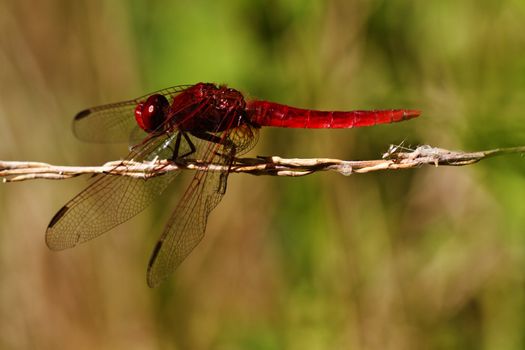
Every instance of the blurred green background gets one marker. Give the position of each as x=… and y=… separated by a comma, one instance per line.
x=432, y=258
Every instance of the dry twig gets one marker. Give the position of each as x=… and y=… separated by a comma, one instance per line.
x=396, y=158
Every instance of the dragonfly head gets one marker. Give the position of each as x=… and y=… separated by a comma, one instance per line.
x=151, y=114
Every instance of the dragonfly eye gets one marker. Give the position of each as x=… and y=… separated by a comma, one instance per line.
x=151, y=114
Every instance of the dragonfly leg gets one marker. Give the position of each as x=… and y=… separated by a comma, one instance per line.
x=207, y=136
x=222, y=183
x=227, y=143
x=176, y=150
x=229, y=156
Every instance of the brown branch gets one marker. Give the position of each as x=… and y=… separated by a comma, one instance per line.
x=396, y=158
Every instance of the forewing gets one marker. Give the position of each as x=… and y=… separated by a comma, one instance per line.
x=109, y=200
x=114, y=122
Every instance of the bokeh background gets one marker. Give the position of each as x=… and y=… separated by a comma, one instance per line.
x=432, y=258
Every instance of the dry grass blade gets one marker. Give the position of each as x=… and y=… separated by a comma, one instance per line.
x=396, y=158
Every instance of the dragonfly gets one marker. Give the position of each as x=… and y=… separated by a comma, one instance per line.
x=205, y=121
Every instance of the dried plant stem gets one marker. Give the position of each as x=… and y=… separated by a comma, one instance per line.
x=396, y=158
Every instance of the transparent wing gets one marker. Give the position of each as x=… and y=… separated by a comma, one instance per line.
x=114, y=122
x=113, y=199
x=110, y=200
x=186, y=227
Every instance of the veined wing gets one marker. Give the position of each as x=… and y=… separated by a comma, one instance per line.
x=115, y=122
x=113, y=199
x=110, y=200
x=186, y=227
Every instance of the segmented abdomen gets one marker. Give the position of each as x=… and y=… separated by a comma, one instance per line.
x=264, y=113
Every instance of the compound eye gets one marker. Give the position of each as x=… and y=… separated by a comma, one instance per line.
x=151, y=114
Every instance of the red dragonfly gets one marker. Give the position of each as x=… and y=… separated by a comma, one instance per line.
x=204, y=121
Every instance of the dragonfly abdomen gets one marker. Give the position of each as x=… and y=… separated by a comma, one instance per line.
x=264, y=113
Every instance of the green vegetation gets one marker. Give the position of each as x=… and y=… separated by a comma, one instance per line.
x=432, y=258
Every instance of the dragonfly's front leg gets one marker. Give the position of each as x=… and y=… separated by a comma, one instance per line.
x=176, y=149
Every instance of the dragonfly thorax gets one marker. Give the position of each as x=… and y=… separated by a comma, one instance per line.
x=215, y=109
